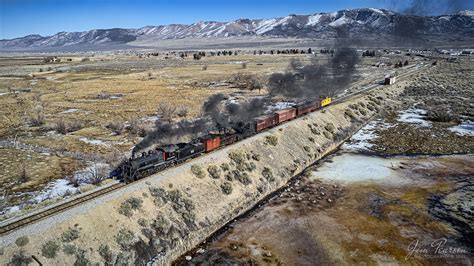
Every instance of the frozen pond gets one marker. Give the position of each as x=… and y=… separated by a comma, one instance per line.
x=349, y=167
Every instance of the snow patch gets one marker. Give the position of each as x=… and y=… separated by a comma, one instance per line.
x=313, y=19
x=57, y=188
x=93, y=141
x=70, y=110
x=414, y=116
x=361, y=140
x=340, y=21
x=376, y=10
x=466, y=128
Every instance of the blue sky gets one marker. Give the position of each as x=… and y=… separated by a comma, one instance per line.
x=47, y=17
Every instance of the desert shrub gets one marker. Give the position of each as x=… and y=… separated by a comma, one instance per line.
x=116, y=127
x=311, y=139
x=271, y=140
x=69, y=249
x=81, y=258
x=330, y=128
x=106, y=253
x=267, y=173
x=204, y=67
x=226, y=188
x=19, y=258
x=37, y=118
x=225, y=167
x=229, y=176
x=142, y=222
x=315, y=131
x=327, y=135
x=22, y=241
x=85, y=59
x=197, y=171
x=363, y=112
x=441, y=116
x=349, y=114
x=238, y=156
x=131, y=204
x=214, y=171
x=256, y=157
x=61, y=127
x=70, y=234
x=242, y=177
x=307, y=149
x=244, y=65
x=251, y=166
x=50, y=249
x=125, y=238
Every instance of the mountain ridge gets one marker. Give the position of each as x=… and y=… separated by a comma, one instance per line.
x=362, y=22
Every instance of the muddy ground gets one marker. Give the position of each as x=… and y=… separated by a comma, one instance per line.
x=401, y=193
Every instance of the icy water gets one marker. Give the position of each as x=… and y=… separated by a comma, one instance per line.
x=349, y=167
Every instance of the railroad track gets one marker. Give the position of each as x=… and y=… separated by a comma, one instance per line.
x=23, y=221
x=373, y=86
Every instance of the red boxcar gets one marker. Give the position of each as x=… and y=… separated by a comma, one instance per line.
x=211, y=143
x=264, y=122
x=285, y=115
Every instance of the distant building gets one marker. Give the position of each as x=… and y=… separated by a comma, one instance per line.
x=389, y=80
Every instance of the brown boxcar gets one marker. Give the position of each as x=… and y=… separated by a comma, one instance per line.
x=305, y=108
x=211, y=143
x=264, y=122
x=285, y=115
x=315, y=105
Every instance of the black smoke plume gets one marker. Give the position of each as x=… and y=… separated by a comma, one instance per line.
x=167, y=133
x=430, y=7
x=224, y=114
x=314, y=80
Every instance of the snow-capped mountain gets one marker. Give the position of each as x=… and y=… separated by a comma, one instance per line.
x=359, y=22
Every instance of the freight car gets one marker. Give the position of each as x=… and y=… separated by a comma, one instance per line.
x=172, y=154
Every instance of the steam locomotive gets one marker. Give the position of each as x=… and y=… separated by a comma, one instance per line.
x=163, y=157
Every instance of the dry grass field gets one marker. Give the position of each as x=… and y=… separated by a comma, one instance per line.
x=57, y=118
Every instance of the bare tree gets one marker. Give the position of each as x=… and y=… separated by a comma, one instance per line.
x=23, y=175
x=182, y=112
x=73, y=180
x=61, y=127
x=37, y=118
x=248, y=82
x=97, y=173
x=166, y=111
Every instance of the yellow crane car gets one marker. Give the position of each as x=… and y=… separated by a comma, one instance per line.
x=326, y=101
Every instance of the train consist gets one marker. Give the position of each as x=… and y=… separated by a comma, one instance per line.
x=165, y=156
